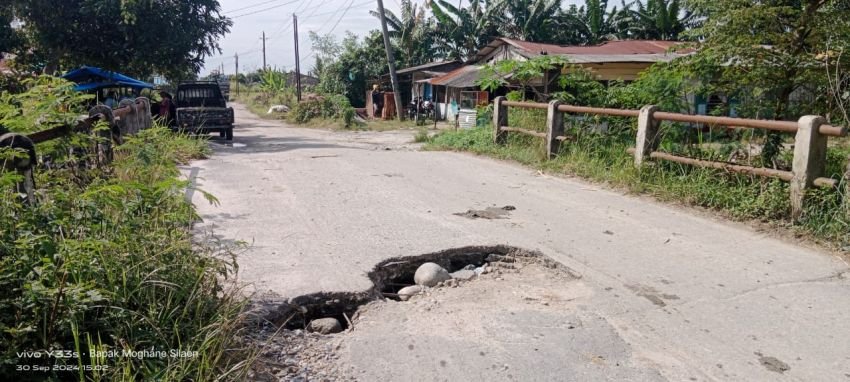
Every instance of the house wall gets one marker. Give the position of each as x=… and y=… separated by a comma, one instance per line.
x=626, y=71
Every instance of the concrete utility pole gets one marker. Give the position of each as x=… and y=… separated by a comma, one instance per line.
x=297, y=60
x=264, y=51
x=390, y=60
x=236, y=57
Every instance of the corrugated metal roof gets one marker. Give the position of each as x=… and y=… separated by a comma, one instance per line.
x=611, y=51
x=430, y=65
x=463, y=77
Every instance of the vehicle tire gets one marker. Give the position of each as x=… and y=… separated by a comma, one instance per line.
x=221, y=134
x=228, y=134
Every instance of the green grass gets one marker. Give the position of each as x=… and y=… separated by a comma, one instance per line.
x=105, y=261
x=602, y=158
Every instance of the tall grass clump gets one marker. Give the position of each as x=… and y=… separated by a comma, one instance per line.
x=103, y=266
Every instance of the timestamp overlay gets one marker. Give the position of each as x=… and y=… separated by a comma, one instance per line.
x=59, y=361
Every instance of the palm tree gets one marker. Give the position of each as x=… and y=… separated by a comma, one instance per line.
x=461, y=32
x=412, y=32
x=660, y=20
x=530, y=20
x=593, y=23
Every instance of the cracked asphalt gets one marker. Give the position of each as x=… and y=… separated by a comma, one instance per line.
x=687, y=296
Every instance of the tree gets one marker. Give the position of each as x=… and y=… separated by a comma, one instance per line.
x=412, y=33
x=659, y=20
x=9, y=38
x=592, y=23
x=462, y=32
x=771, y=55
x=349, y=67
x=772, y=49
x=140, y=37
x=530, y=20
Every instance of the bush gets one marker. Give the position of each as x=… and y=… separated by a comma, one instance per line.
x=105, y=261
x=335, y=107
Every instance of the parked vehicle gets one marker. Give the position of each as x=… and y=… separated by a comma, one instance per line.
x=423, y=109
x=202, y=108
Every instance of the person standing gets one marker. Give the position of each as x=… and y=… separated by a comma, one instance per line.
x=377, y=101
x=167, y=108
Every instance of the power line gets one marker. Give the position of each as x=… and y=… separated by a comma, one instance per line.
x=312, y=53
x=263, y=10
x=249, y=6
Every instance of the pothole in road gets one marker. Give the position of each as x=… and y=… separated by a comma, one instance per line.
x=459, y=265
x=297, y=350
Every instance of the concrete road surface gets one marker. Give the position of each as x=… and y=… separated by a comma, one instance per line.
x=691, y=297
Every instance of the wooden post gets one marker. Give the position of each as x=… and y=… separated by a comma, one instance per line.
x=390, y=61
x=500, y=118
x=809, y=160
x=647, y=134
x=555, y=128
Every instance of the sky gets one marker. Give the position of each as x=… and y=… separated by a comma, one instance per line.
x=252, y=17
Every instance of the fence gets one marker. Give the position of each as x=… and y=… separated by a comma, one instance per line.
x=128, y=119
x=810, y=146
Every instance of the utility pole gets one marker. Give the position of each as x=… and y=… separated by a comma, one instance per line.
x=297, y=60
x=236, y=57
x=390, y=60
x=264, y=51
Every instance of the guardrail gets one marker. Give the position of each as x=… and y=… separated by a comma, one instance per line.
x=810, y=146
x=131, y=117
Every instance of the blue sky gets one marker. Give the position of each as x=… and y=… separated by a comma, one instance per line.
x=252, y=17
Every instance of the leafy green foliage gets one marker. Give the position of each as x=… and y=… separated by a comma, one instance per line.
x=138, y=37
x=523, y=72
x=104, y=260
x=349, y=67
x=334, y=107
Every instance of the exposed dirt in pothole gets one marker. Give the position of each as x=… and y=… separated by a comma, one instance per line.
x=518, y=308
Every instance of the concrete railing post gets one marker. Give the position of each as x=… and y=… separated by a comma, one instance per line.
x=500, y=118
x=809, y=160
x=647, y=134
x=23, y=165
x=555, y=128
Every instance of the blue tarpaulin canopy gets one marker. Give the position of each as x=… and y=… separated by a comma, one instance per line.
x=91, y=78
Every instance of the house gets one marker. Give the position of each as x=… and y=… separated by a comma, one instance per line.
x=457, y=95
x=416, y=75
x=414, y=80
x=613, y=60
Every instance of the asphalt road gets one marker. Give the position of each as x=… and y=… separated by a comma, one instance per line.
x=692, y=297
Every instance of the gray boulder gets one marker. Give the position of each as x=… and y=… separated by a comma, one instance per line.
x=429, y=274
x=325, y=326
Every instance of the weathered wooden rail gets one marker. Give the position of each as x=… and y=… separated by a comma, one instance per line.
x=131, y=117
x=810, y=146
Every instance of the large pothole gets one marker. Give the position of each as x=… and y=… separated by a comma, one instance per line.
x=388, y=277
x=293, y=353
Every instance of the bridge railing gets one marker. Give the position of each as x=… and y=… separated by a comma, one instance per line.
x=131, y=117
x=810, y=144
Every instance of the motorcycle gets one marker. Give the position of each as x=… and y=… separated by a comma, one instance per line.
x=419, y=109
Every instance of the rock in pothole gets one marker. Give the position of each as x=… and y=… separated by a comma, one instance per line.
x=463, y=275
x=325, y=326
x=406, y=293
x=430, y=274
